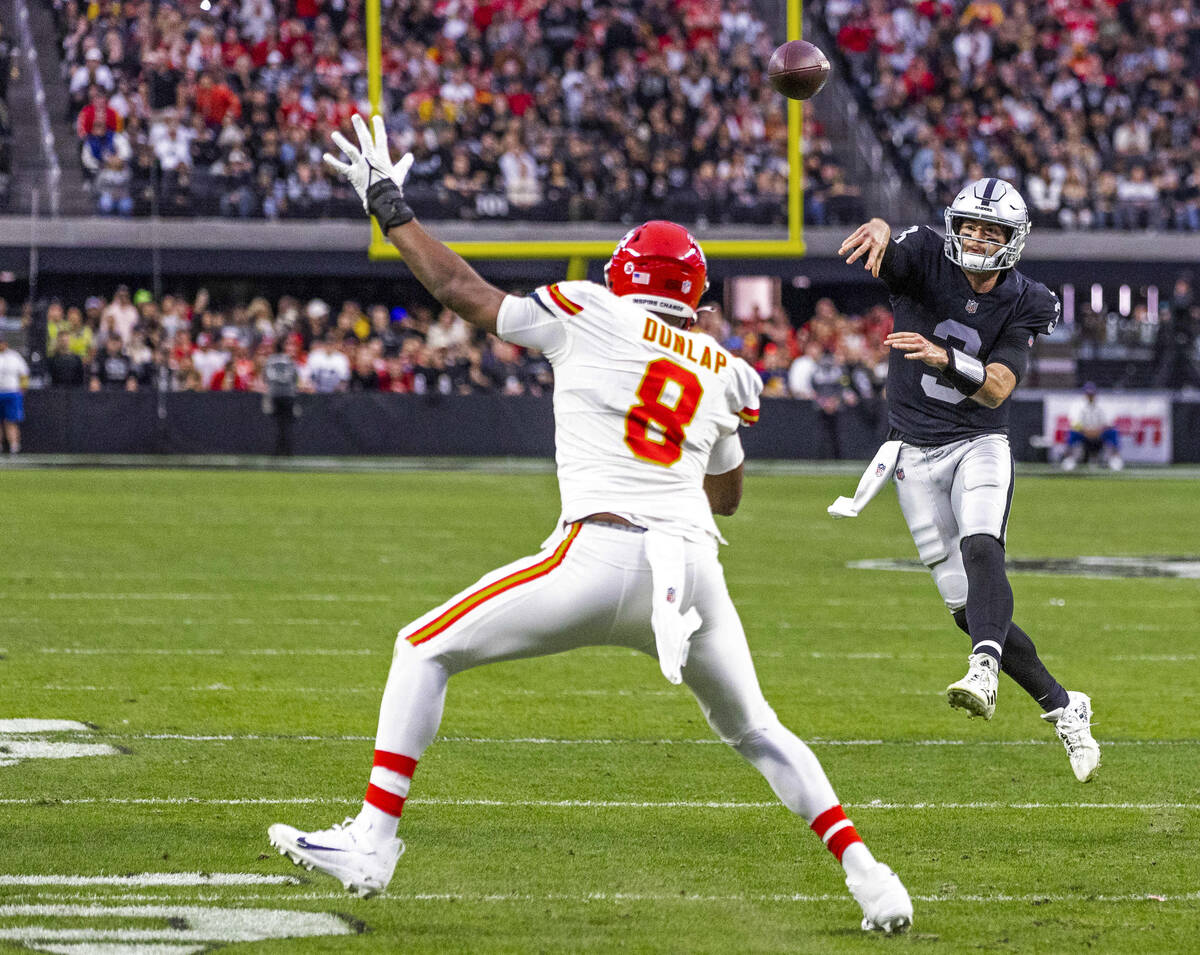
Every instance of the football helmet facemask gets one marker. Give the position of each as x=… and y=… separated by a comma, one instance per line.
x=987, y=200
x=661, y=268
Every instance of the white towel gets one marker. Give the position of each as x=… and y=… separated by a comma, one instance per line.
x=672, y=630
x=878, y=472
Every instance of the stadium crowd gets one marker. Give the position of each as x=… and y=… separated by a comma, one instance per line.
x=1091, y=107
x=570, y=109
x=134, y=341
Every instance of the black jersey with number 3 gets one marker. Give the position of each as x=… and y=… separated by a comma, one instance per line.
x=930, y=295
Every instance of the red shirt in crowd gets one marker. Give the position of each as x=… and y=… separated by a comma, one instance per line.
x=88, y=115
x=215, y=101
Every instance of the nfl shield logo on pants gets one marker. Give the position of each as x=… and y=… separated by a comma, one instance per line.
x=880, y=468
x=899, y=474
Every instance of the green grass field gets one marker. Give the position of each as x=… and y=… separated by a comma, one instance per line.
x=225, y=635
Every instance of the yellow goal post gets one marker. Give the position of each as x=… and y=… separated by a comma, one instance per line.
x=578, y=251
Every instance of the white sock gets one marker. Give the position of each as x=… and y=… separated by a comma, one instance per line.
x=380, y=825
x=857, y=861
x=383, y=825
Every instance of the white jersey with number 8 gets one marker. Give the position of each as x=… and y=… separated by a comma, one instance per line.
x=642, y=410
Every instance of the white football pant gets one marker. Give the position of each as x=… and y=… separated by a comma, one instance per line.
x=593, y=587
x=950, y=492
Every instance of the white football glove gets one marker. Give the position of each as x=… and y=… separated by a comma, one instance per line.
x=370, y=163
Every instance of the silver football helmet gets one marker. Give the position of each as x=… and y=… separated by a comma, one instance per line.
x=987, y=200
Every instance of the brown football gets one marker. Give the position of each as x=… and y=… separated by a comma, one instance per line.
x=798, y=69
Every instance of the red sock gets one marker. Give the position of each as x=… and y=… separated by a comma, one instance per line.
x=390, y=778
x=835, y=830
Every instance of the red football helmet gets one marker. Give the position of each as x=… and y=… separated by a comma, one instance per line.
x=661, y=267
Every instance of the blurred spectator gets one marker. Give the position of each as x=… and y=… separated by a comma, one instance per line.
x=800, y=373
x=1091, y=433
x=281, y=379
x=112, y=368
x=14, y=375
x=113, y=194
x=1175, y=344
x=64, y=366
x=120, y=314
x=831, y=388
x=328, y=370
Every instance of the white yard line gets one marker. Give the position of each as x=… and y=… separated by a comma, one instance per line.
x=90, y=622
x=152, y=879
x=288, y=896
x=200, y=597
x=584, y=803
x=547, y=740
x=220, y=652
x=385, y=646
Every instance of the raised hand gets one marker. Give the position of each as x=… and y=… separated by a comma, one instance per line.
x=870, y=239
x=370, y=163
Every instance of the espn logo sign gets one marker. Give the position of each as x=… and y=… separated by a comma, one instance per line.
x=1143, y=422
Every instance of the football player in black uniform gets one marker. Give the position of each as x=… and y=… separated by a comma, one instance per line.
x=965, y=322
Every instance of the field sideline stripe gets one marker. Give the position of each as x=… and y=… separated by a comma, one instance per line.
x=555, y=741
x=386, y=648
x=288, y=896
x=576, y=803
x=288, y=598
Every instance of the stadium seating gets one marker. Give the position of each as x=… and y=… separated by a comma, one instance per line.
x=1093, y=110
x=514, y=111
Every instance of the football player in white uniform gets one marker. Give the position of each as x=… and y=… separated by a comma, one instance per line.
x=965, y=323
x=646, y=427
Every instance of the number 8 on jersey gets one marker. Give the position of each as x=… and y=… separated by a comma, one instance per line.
x=670, y=419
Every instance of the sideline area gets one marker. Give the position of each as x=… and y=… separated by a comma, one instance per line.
x=351, y=465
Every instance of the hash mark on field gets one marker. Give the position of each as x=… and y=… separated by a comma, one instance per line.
x=23, y=725
x=579, y=803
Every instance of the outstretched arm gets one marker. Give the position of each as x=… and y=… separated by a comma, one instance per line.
x=380, y=185
x=448, y=276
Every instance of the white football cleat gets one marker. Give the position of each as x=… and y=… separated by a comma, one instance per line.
x=1073, y=724
x=344, y=852
x=976, y=692
x=884, y=900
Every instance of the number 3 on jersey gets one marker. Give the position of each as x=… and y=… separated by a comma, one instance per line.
x=671, y=414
